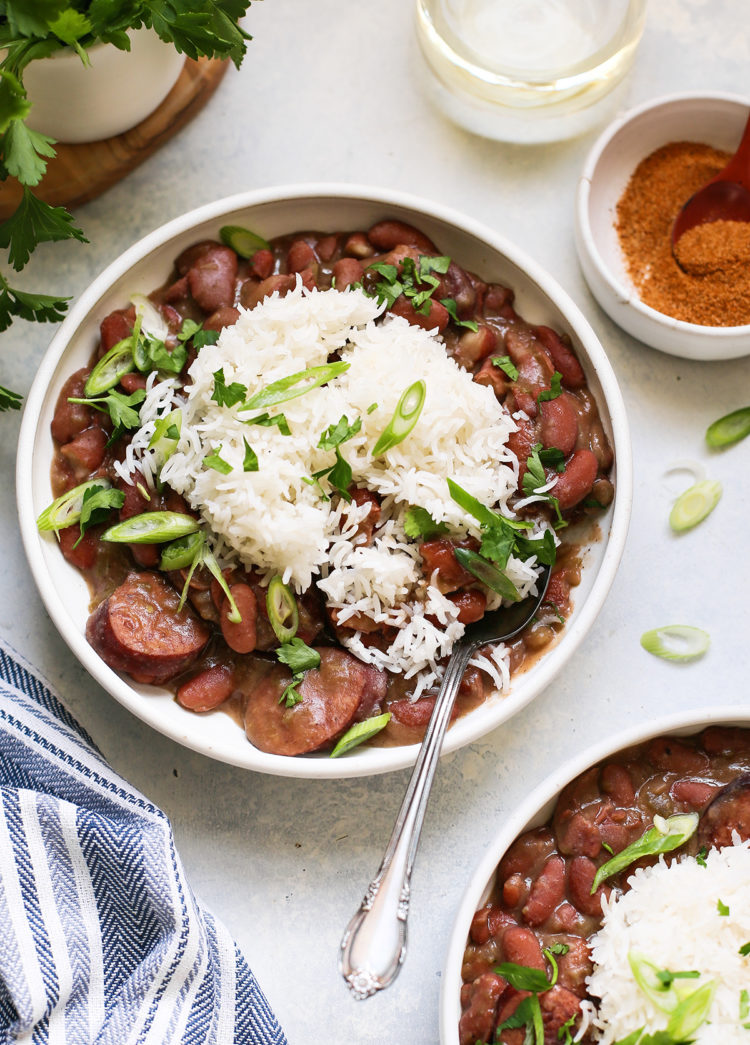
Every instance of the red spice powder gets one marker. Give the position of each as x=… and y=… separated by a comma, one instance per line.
x=716, y=290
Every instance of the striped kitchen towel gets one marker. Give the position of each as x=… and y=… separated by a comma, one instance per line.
x=101, y=938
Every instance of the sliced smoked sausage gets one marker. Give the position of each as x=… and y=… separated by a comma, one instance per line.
x=331, y=695
x=139, y=629
x=728, y=812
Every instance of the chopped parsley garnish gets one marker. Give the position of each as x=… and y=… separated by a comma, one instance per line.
x=418, y=523
x=452, y=309
x=204, y=337
x=744, y=1005
x=299, y=658
x=700, y=859
x=150, y=353
x=553, y=391
x=268, y=421
x=529, y=1012
x=121, y=409
x=501, y=536
x=722, y=909
x=417, y=282
x=744, y=949
x=339, y=474
x=507, y=366
x=535, y=476
x=96, y=505
x=667, y=977
x=216, y=461
x=224, y=394
x=564, y=1031
x=250, y=461
x=9, y=400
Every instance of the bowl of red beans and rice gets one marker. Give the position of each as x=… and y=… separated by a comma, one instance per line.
x=533, y=303
x=536, y=892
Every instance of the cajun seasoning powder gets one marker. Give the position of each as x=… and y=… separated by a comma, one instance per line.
x=715, y=291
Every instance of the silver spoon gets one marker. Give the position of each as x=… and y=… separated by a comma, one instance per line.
x=374, y=944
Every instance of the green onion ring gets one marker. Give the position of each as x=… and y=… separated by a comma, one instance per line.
x=678, y=642
x=692, y=506
x=404, y=419
x=151, y=528
x=729, y=429
x=282, y=610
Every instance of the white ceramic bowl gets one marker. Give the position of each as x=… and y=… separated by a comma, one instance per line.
x=536, y=810
x=712, y=118
x=73, y=102
x=147, y=265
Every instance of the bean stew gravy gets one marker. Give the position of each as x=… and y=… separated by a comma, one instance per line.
x=541, y=895
x=198, y=652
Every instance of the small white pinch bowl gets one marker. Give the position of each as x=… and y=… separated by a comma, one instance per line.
x=74, y=103
x=272, y=212
x=715, y=119
x=537, y=810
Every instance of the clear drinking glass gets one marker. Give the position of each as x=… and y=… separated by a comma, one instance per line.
x=528, y=70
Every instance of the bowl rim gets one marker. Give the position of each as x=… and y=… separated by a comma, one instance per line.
x=465, y=730
x=519, y=819
x=623, y=293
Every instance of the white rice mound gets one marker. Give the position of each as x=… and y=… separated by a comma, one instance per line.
x=276, y=521
x=670, y=916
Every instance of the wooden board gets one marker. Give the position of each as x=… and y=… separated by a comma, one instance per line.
x=79, y=173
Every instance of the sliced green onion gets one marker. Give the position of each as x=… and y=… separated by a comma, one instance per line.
x=678, y=642
x=282, y=610
x=663, y=837
x=242, y=241
x=691, y=1012
x=209, y=561
x=111, y=368
x=729, y=429
x=405, y=417
x=646, y=975
x=151, y=528
x=152, y=321
x=488, y=574
x=66, y=509
x=692, y=506
x=295, y=385
x=181, y=553
x=166, y=435
x=360, y=732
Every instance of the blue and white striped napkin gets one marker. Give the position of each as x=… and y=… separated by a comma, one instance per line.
x=101, y=938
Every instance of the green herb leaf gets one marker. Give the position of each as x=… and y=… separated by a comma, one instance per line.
x=744, y=949
x=216, y=461
x=268, y=421
x=507, y=366
x=227, y=395
x=250, y=461
x=32, y=223
x=39, y=308
x=700, y=858
x=152, y=354
x=298, y=656
x=360, y=732
x=528, y=1015
x=663, y=837
x=25, y=153
x=722, y=909
x=337, y=434
x=418, y=523
x=452, y=309
x=201, y=338
x=553, y=391
x=66, y=509
x=9, y=400
x=97, y=505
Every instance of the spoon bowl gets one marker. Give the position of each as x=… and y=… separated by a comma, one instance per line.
x=725, y=198
x=373, y=947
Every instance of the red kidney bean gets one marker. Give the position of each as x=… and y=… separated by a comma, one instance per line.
x=301, y=256
x=727, y=814
x=212, y=277
x=693, y=793
x=558, y=592
x=178, y=292
x=457, y=285
x=439, y=554
x=563, y=358
x=492, y=376
x=261, y=264
x=361, y=497
x=547, y=891
x=226, y=316
x=436, y=319
x=240, y=635
x=471, y=605
x=346, y=271
x=577, y=834
x=522, y=947
x=515, y=890
x=115, y=327
x=498, y=921
x=79, y=551
x=475, y=345
x=146, y=555
x=559, y=424
x=358, y=246
x=385, y=235
x=508, y=1005
x=617, y=782
x=415, y=712
x=70, y=419
x=135, y=502
x=672, y=755
x=193, y=253
x=527, y=852
x=723, y=740
x=327, y=247
x=86, y=451
x=133, y=382
x=558, y=1006
x=498, y=301
x=575, y=965
x=520, y=444
x=208, y=689
x=252, y=292
x=480, y=929
x=581, y=872
x=478, y=1017
x=576, y=481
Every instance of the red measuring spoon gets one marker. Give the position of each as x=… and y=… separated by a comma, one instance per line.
x=725, y=198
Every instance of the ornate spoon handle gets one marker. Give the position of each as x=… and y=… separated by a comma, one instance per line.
x=374, y=944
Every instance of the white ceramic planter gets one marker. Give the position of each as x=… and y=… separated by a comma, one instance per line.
x=75, y=103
